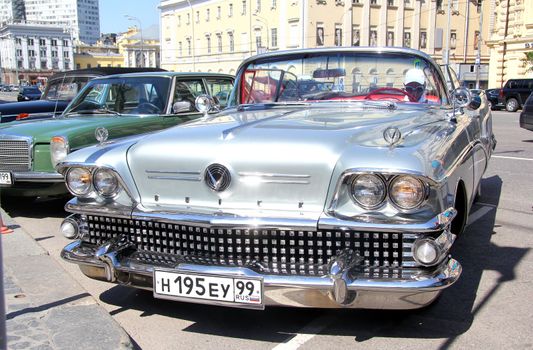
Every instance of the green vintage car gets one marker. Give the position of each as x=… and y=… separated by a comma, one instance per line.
x=107, y=108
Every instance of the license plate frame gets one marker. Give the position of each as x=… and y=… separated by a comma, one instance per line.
x=6, y=178
x=255, y=301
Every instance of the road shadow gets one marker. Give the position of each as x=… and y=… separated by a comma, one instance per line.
x=38, y=209
x=451, y=315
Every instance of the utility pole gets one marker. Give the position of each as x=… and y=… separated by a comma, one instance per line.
x=478, y=55
x=448, y=33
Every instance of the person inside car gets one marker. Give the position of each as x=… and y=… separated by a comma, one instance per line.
x=415, y=85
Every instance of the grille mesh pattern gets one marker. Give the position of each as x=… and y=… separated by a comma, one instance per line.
x=14, y=155
x=275, y=251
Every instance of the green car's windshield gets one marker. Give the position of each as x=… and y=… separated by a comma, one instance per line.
x=64, y=89
x=125, y=95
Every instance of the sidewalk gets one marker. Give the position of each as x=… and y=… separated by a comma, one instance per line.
x=45, y=307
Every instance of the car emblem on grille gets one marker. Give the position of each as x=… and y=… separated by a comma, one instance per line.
x=217, y=177
x=101, y=134
x=392, y=135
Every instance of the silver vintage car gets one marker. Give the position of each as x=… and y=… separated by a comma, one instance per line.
x=336, y=178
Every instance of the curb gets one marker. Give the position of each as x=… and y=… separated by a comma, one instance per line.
x=46, y=308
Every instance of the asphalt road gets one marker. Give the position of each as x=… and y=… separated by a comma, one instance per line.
x=489, y=307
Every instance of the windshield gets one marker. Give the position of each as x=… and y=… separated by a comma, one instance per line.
x=32, y=90
x=127, y=95
x=64, y=89
x=351, y=76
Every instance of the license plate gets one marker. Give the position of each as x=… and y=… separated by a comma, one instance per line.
x=5, y=178
x=246, y=292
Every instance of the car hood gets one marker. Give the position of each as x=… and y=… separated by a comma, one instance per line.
x=41, y=131
x=278, y=158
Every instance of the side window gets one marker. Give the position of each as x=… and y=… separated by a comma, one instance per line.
x=530, y=84
x=187, y=91
x=511, y=84
x=221, y=89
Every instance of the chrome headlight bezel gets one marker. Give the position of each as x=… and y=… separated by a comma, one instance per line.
x=380, y=199
x=109, y=193
x=423, y=190
x=69, y=183
x=430, y=243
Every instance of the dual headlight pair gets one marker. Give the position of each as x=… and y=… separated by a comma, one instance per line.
x=370, y=191
x=84, y=181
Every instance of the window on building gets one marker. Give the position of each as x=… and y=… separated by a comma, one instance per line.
x=67, y=65
x=189, y=49
x=65, y=54
x=243, y=9
x=472, y=68
x=455, y=5
x=180, y=49
x=219, y=12
x=78, y=66
x=373, y=2
x=219, y=42
x=406, y=39
x=42, y=42
x=42, y=52
x=320, y=35
x=231, y=40
x=207, y=15
x=179, y=21
x=338, y=35
x=45, y=66
x=294, y=34
x=274, y=4
x=53, y=42
x=18, y=41
x=31, y=53
x=197, y=16
x=208, y=38
x=55, y=65
x=65, y=43
x=18, y=52
x=88, y=65
x=257, y=5
x=20, y=64
x=230, y=10
x=274, y=37
x=188, y=18
x=390, y=2
x=258, y=43
x=54, y=54
x=30, y=42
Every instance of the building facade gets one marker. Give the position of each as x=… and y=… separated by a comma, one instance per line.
x=511, y=37
x=81, y=17
x=31, y=53
x=141, y=48
x=101, y=54
x=216, y=35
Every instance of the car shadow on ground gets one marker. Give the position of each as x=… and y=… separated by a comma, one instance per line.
x=37, y=209
x=450, y=316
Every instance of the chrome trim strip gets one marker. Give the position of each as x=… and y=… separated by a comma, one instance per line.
x=299, y=176
x=173, y=172
x=37, y=177
x=272, y=178
x=177, y=178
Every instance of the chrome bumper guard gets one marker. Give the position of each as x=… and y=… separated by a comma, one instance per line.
x=33, y=176
x=340, y=288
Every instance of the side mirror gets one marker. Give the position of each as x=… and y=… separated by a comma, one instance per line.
x=205, y=103
x=181, y=106
x=461, y=97
x=475, y=103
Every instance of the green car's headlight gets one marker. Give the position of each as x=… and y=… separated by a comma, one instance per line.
x=368, y=190
x=407, y=192
x=59, y=149
x=105, y=182
x=78, y=181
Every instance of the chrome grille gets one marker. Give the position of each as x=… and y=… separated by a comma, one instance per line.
x=15, y=155
x=272, y=251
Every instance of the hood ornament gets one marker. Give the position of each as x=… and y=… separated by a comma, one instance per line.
x=392, y=135
x=101, y=134
x=217, y=177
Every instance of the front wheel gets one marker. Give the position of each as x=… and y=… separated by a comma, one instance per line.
x=511, y=105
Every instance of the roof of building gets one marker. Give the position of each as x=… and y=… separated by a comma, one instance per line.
x=150, y=33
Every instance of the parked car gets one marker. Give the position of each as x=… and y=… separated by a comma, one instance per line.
x=338, y=199
x=512, y=96
x=59, y=91
x=526, y=117
x=112, y=107
x=29, y=93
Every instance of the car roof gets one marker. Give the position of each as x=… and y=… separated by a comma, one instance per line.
x=171, y=74
x=101, y=71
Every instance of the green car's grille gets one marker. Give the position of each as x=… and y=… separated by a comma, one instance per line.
x=15, y=155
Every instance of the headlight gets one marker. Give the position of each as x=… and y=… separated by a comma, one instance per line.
x=426, y=252
x=407, y=192
x=59, y=149
x=368, y=190
x=79, y=181
x=105, y=182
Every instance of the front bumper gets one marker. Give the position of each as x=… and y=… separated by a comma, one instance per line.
x=415, y=291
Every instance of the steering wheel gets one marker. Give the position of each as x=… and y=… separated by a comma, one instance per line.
x=384, y=89
x=148, y=107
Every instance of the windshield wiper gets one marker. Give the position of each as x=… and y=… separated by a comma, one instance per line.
x=94, y=111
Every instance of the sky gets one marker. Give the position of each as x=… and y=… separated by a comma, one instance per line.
x=112, y=13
